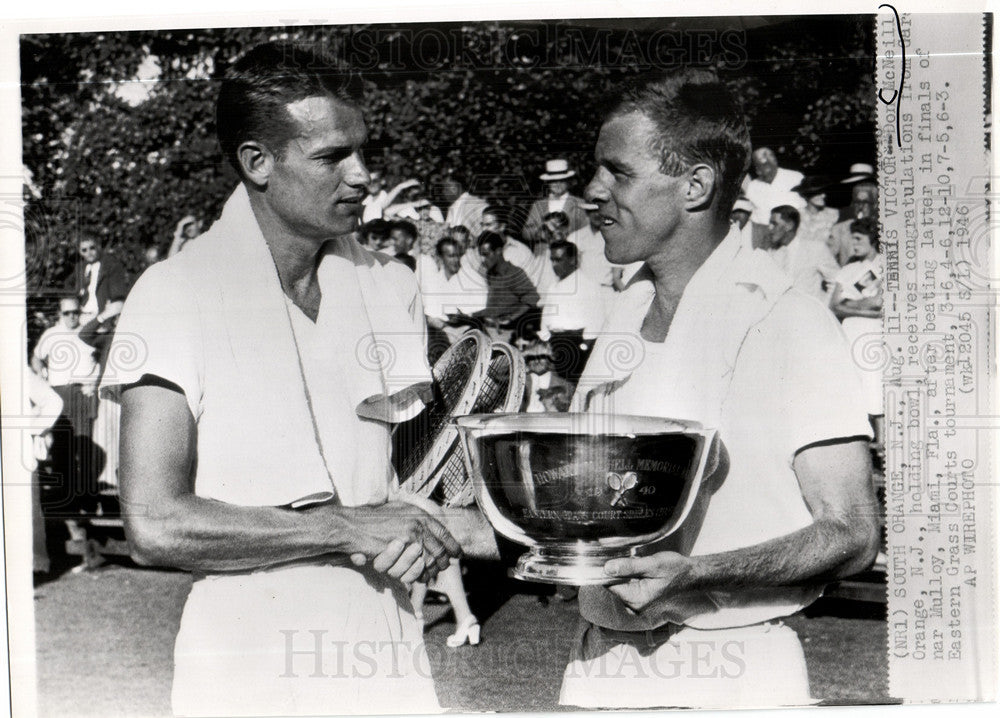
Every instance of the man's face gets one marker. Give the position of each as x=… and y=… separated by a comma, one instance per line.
x=557, y=188
x=490, y=223
x=451, y=258
x=780, y=231
x=864, y=200
x=451, y=191
x=538, y=364
x=69, y=313
x=562, y=265
x=191, y=230
x=490, y=256
x=89, y=251
x=317, y=186
x=765, y=165
x=639, y=206
x=401, y=240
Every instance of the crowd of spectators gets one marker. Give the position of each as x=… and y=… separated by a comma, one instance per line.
x=540, y=282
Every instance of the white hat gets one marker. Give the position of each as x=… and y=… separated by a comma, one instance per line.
x=744, y=205
x=859, y=171
x=556, y=170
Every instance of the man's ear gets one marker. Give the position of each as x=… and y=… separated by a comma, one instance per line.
x=701, y=187
x=256, y=161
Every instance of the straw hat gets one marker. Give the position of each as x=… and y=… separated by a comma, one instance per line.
x=556, y=170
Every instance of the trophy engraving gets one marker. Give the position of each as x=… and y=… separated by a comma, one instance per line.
x=580, y=489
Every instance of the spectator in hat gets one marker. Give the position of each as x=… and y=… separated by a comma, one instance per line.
x=816, y=219
x=558, y=199
x=752, y=236
x=771, y=186
x=864, y=204
x=541, y=379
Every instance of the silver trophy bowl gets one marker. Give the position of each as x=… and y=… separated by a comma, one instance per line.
x=581, y=489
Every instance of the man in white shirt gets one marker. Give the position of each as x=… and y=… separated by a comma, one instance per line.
x=378, y=199
x=465, y=209
x=807, y=261
x=69, y=366
x=573, y=310
x=276, y=354
x=772, y=185
x=715, y=334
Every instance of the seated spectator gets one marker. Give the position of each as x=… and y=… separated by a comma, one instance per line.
x=542, y=383
x=752, y=236
x=374, y=235
x=573, y=311
x=555, y=228
x=864, y=204
x=816, y=219
x=857, y=301
x=510, y=294
x=494, y=219
x=808, y=262
x=403, y=236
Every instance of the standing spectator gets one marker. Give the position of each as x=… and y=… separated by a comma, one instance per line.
x=541, y=380
x=378, y=199
x=772, y=185
x=465, y=209
x=186, y=230
x=100, y=279
x=558, y=199
x=857, y=301
x=70, y=368
x=407, y=208
x=43, y=406
x=816, y=220
x=572, y=311
x=429, y=230
x=864, y=205
x=808, y=262
x=98, y=334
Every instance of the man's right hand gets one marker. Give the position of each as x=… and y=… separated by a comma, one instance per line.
x=400, y=540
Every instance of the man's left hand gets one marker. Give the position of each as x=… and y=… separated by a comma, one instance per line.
x=652, y=578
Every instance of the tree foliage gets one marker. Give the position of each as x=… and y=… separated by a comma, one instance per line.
x=491, y=101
